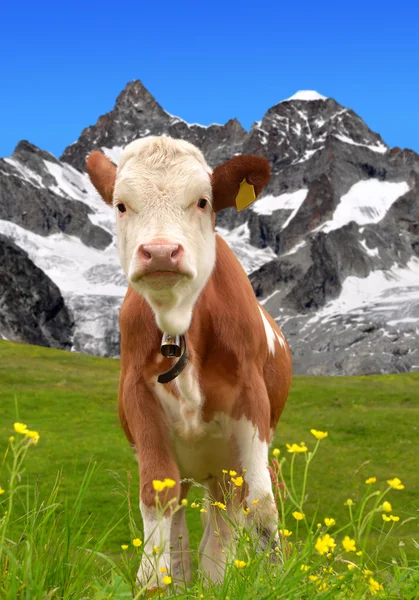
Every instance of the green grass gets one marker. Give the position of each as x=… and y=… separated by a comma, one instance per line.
x=71, y=399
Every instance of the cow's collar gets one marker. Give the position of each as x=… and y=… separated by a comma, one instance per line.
x=182, y=351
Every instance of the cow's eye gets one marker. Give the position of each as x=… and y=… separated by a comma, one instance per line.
x=202, y=203
x=122, y=208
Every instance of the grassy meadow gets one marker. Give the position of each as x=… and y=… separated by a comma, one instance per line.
x=373, y=431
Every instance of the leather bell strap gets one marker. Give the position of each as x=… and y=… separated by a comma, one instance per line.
x=179, y=365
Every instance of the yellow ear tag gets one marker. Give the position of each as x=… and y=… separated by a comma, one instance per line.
x=245, y=196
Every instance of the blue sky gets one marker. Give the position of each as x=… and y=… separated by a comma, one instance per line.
x=62, y=65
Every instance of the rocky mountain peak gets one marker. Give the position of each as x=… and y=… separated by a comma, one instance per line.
x=306, y=128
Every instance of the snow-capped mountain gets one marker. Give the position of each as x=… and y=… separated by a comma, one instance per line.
x=332, y=247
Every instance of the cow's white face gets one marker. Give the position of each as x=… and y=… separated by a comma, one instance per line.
x=166, y=240
x=164, y=197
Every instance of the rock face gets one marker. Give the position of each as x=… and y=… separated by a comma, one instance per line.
x=32, y=308
x=332, y=246
x=30, y=196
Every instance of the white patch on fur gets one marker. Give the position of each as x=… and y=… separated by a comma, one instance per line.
x=184, y=412
x=281, y=340
x=270, y=334
x=160, y=180
x=156, y=533
x=253, y=454
x=201, y=449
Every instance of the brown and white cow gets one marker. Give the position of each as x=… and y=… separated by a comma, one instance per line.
x=221, y=410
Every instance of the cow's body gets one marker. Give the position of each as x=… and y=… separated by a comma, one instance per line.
x=218, y=413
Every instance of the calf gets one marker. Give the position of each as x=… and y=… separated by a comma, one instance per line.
x=218, y=405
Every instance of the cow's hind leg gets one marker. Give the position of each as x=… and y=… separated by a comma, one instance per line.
x=258, y=499
x=179, y=541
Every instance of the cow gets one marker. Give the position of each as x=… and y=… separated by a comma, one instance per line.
x=216, y=408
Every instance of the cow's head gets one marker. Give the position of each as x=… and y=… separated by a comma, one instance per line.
x=165, y=197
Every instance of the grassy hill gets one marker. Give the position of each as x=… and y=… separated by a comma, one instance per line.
x=71, y=399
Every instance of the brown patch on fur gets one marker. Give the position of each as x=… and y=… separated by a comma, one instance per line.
x=226, y=178
x=102, y=173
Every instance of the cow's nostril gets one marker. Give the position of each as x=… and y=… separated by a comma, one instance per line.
x=145, y=253
x=175, y=252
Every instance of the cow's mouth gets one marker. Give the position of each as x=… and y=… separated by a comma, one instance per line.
x=160, y=279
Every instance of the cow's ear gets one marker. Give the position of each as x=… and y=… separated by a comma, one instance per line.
x=239, y=181
x=102, y=173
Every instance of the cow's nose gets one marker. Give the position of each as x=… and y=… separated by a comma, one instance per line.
x=160, y=255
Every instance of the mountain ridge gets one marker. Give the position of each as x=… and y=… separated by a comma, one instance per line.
x=341, y=206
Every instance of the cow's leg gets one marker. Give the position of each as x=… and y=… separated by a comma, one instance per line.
x=149, y=431
x=179, y=540
x=217, y=539
x=252, y=454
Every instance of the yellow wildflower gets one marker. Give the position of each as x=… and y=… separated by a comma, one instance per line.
x=12, y=438
x=194, y=505
x=305, y=568
x=237, y=481
x=276, y=452
x=285, y=532
x=386, y=506
x=184, y=502
x=156, y=549
x=394, y=518
x=367, y=572
x=20, y=427
x=386, y=518
x=203, y=510
x=225, y=471
x=349, y=544
x=233, y=473
x=313, y=577
x=2, y=491
x=298, y=516
x=239, y=564
x=246, y=511
x=322, y=586
x=167, y=580
x=295, y=448
x=351, y=566
x=158, y=485
x=370, y=480
x=136, y=542
x=124, y=546
x=329, y=522
x=349, y=502
x=163, y=570
x=395, y=483
x=374, y=586
x=33, y=435
x=319, y=435
x=324, y=544
x=255, y=501
x=359, y=553
x=219, y=505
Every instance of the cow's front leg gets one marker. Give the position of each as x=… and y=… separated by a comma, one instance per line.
x=252, y=448
x=158, y=501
